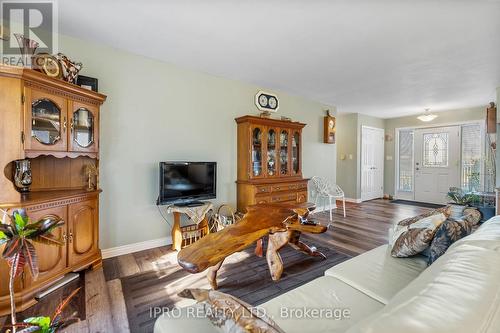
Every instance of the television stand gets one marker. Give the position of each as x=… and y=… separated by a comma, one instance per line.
x=190, y=204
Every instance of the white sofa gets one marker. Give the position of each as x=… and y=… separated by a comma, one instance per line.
x=460, y=292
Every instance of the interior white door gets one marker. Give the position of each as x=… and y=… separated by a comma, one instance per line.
x=437, y=163
x=372, y=163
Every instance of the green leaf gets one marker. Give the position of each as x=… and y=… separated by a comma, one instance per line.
x=42, y=322
x=20, y=222
x=2, y=235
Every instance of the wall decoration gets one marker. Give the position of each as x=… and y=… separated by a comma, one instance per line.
x=87, y=82
x=27, y=47
x=70, y=68
x=329, y=128
x=266, y=101
x=47, y=64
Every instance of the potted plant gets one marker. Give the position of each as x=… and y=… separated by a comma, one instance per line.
x=47, y=324
x=19, y=251
x=460, y=200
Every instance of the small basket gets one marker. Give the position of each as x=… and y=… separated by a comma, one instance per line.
x=193, y=233
x=224, y=216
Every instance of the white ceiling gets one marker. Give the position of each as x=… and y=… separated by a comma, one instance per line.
x=385, y=58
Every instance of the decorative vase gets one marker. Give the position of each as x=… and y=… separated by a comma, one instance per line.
x=70, y=69
x=457, y=211
x=22, y=175
x=27, y=47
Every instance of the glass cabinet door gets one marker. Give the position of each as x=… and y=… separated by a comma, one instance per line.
x=284, y=152
x=46, y=119
x=256, y=165
x=84, y=122
x=296, y=153
x=272, y=161
x=82, y=127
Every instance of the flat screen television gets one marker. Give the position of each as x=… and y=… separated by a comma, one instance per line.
x=185, y=183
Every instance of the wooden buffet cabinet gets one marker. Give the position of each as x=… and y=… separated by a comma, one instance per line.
x=55, y=125
x=269, y=162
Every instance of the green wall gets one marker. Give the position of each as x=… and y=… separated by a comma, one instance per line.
x=349, y=145
x=158, y=112
x=445, y=117
x=346, y=140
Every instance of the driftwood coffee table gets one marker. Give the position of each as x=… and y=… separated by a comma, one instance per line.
x=283, y=223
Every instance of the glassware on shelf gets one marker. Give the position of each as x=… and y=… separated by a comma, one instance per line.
x=271, y=152
x=82, y=127
x=45, y=121
x=295, y=153
x=284, y=152
x=257, y=152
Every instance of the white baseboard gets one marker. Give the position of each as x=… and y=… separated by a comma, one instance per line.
x=353, y=200
x=135, y=247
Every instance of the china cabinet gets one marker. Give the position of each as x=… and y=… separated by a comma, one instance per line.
x=269, y=162
x=55, y=126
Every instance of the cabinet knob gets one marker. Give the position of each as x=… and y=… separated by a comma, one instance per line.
x=71, y=236
x=64, y=237
x=64, y=124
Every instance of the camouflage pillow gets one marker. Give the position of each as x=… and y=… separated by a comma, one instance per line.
x=472, y=215
x=445, y=210
x=412, y=238
x=229, y=314
x=448, y=233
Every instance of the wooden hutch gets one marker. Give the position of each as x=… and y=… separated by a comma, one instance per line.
x=55, y=125
x=269, y=162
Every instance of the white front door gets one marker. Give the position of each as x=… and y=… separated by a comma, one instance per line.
x=437, y=163
x=372, y=163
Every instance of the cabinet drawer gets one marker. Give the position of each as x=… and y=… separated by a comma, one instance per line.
x=263, y=189
x=262, y=200
x=302, y=196
x=284, y=197
x=288, y=187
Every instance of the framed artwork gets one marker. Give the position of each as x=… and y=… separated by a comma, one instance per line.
x=87, y=82
x=329, y=124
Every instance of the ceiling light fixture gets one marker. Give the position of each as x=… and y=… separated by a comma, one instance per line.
x=427, y=116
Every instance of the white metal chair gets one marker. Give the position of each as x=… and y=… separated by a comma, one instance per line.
x=326, y=190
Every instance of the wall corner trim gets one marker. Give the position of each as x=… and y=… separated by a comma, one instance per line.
x=135, y=247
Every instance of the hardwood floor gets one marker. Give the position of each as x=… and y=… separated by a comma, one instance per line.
x=364, y=228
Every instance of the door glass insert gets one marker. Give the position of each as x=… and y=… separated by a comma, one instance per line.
x=82, y=127
x=435, y=150
x=271, y=152
x=257, y=152
x=45, y=121
x=295, y=152
x=284, y=152
x=406, y=160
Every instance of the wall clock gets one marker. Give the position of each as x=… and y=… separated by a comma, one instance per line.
x=266, y=101
x=329, y=128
